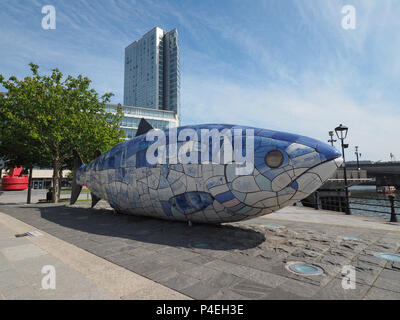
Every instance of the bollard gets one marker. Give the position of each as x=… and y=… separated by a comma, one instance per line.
x=393, y=217
x=317, y=201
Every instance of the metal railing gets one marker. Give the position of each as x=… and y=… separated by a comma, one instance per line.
x=354, y=203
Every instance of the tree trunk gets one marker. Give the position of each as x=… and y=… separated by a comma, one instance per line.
x=28, y=198
x=59, y=185
x=56, y=178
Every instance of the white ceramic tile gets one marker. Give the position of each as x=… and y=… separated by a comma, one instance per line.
x=245, y=184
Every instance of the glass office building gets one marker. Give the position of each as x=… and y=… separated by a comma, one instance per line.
x=159, y=119
x=152, y=71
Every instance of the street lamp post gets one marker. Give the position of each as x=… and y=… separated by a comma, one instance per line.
x=341, y=132
x=357, y=155
x=331, y=140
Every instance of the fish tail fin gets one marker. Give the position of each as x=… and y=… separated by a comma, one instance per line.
x=95, y=199
x=76, y=188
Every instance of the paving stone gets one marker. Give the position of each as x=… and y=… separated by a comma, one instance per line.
x=227, y=294
x=280, y=294
x=4, y=263
x=141, y=252
x=334, y=260
x=268, y=279
x=383, y=246
x=164, y=274
x=33, y=266
x=200, y=290
x=224, y=280
x=201, y=272
x=380, y=294
x=182, y=266
x=262, y=277
x=335, y=291
x=179, y=253
x=21, y=252
x=142, y=267
x=10, y=278
x=179, y=282
x=200, y=260
x=388, y=280
x=366, y=272
x=94, y=294
x=371, y=259
x=299, y=288
x=251, y=289
x=12, y=241
x=68, y=283
x=20, y=293
x=252, y=262
x=393, y=265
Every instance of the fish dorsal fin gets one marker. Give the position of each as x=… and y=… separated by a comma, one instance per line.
x=143, y=128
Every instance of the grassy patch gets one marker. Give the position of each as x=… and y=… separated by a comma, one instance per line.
x=69, y=191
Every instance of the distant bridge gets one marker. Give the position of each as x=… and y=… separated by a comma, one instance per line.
x=384, y=173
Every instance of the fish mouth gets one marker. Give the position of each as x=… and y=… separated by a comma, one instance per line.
x=315, y=176
x=337, y=161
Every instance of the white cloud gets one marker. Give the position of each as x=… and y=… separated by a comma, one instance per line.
x=312, y=112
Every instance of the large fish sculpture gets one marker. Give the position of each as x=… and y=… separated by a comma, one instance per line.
x=284, y=169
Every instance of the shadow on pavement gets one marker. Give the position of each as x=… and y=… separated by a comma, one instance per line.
x=106, y=223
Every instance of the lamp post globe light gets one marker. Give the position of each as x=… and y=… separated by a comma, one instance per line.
x=341, y=132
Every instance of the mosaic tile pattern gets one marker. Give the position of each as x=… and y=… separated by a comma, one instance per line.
x=210, y=193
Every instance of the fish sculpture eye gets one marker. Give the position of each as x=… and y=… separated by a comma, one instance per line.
x=274, y=159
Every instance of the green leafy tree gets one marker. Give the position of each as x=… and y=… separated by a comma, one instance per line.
x=48, y=117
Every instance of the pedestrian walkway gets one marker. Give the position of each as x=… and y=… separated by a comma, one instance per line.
x=132, y=257
x=79, y=274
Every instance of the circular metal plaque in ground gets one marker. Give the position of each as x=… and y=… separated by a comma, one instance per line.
x=272, y=226
x=304, y=269
x=389, y=256
x=351, y=239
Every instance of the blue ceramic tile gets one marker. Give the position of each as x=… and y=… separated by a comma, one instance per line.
x=166, y=206
x=224, y=197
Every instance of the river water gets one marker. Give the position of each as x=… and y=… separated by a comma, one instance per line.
x=365, y=201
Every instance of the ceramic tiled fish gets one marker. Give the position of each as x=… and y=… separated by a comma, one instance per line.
x=285, y=169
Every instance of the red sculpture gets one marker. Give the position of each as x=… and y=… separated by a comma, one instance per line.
x=14, y=181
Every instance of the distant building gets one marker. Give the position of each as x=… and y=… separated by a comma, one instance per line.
x=152, y=75
x=159, y=119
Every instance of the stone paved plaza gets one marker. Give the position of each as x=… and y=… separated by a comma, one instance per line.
x=243, y=260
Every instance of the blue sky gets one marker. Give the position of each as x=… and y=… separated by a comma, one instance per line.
x=276, y=64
